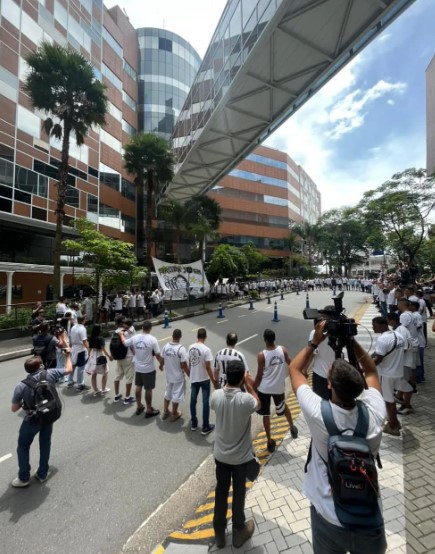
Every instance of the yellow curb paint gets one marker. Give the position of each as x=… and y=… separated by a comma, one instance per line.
x=159, y=550
x=196, y=535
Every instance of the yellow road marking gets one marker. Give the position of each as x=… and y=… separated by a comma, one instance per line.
x=159, y=550
x=196, y=535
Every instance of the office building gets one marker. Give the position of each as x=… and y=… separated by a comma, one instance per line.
x=430, y=117
x=262, y=197
x=167, y=66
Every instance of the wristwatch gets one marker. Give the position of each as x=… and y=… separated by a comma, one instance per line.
x=312, y=344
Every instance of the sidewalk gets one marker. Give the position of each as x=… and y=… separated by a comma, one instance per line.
x=281, y=512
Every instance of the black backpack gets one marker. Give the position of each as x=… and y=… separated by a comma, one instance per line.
x=40, y=346
x=46, y=407
x=352, y=472
x=117, y=349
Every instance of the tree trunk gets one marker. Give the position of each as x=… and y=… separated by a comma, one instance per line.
x=149, y=219
x=140, y=220
x=60, y=207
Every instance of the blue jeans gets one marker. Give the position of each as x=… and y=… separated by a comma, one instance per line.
x=194, y=391
x=332, y=539
x=419, y=370
x=80, y=366
x=28, y=431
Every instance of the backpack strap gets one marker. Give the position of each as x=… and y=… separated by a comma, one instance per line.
x=328, y=418
x=362, y=425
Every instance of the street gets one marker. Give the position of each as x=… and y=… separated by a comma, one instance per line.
x=111, y=469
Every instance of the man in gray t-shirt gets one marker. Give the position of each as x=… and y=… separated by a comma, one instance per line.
x=233, y=450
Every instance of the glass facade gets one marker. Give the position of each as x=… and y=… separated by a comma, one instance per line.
x=241, y=24
x=167, y=67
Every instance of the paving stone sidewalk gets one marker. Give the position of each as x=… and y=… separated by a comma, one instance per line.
x=281, y=512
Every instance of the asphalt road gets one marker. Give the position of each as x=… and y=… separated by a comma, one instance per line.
x=111, y=468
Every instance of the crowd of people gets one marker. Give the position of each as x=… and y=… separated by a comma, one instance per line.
x=357, y=398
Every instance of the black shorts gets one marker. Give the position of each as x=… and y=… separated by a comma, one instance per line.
x=278, y=399
x=145, y=380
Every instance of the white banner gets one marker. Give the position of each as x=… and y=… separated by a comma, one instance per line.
x=181, y=279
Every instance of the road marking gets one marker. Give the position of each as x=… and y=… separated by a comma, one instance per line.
x=242, y=315
x=196, y=328
x=249, y=338
x=6, y=457
x=223, y=321
x=166, y=338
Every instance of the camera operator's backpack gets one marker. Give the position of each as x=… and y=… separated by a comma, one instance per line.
x=117, y=349
x=40, y=346
x=352, y=472
x=46, y=406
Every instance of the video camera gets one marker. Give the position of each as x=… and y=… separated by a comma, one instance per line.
x=338, y=327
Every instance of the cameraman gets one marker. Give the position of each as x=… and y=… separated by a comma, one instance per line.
x=322, y=357
x=346, y=384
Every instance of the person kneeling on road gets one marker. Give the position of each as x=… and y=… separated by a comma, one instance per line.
x=347, y=385
x=233, y=451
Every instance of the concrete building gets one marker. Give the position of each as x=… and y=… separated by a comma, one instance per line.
x=261, y=197
x=430, y=116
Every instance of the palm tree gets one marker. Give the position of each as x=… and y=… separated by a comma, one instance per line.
x=150, y=159
x=174, y=214
x=61, y=83
x=203, y=218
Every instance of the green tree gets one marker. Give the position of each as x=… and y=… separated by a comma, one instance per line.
x=61, y=83
x=256, y=259
x=203, y=218
x=226, y=261
x=113, y=261
x=308, y=237
x=342, y=238
x=397, y=212
x=149, y=158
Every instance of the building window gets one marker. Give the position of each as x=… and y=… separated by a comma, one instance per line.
x=6, y=172
x=128, y=189
x=165, y=44
x=72, y=197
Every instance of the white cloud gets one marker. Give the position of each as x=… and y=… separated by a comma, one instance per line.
x=310, y=138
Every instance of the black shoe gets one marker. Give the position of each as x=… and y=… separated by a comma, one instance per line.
x=152, y=413
x=271, y=445
x=240, y=536
x=139, y=410
x=294, y=432
x=220, y=539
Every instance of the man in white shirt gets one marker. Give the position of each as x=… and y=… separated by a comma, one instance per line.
x=414, y=307
x=146, y=348
x=347, y=385
x=117, y=304
x=323, y=356
x=408, y=321
x=224, y=356
x=272, y=364
x=174, y=361
x=79, y=354
x=124, y=366
x=388, y=357
x=201, y=374
x=404, y=388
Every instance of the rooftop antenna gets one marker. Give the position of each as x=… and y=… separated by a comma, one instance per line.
x=163, y=24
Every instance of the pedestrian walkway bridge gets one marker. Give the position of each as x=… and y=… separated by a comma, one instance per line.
x=265, y=60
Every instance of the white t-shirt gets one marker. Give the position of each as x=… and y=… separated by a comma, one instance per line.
x=174, y=355
x=145, y=347
x=198, y=355
x=61, y=308
x=316, y=484
x=391, y=298
x=324, y=356
x=274, y=373
x=117, y=304
x=391, y=345
x=418, y=320
x=409, y=322
x=128, y=333
x=77, y=336
x=222, y=358
x=408, y=356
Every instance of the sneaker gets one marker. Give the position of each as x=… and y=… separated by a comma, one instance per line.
x=271, y=445
x=70, y=384
x=390, y=431
x=193, y=427
x=207, y=430
x=40, y=479
x=105, y=391
x=118, y=398
x=294, y=432
x=139, y=410
x=129, y=400
x=405, y=410
x=17, y=483
x=240, y=536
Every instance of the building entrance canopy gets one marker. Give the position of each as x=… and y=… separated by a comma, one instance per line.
x=266, y=59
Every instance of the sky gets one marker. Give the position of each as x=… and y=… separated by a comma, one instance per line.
x=366, y=124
